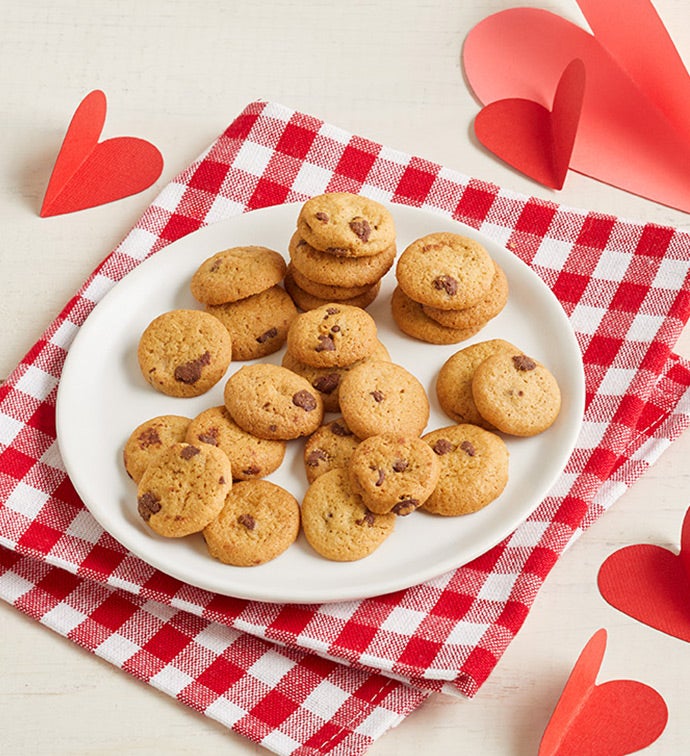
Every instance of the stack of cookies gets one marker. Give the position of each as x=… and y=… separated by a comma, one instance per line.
x=344, y=244
x=241, y=288
x=327, y=342
x=448, y=289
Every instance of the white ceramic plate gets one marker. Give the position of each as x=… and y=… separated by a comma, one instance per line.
x=102, y=397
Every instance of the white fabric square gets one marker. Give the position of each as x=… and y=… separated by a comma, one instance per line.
x=117, y=649
x=380, y=195
x=63, y=618
x=393, y=156
x=52, y=457
x=587, y=319
x=84, y=527
x=553, y=253
x=644, y=327
x=26, y=500
x=252, y=158
x=171, y=680
x=98, y=288
x=276, y=110
x=64, y=334
x=13, y=587
x=311, y=179
x=336, y=134
x=497, y=587
x=325, y=699
x=499, y=234
x=528, y=534
x=279, y=742
x=138, y=243
x=611, y=265
x=616, y=381
x=9, y=428
x=222, y=209
x=226, y=712
x=36, y=383
x=216, y=638
x=591, y=434
x=467, y=633
x=403, y=620
x=378, y=722
x=171, y=196
x=270, y=668
x=671, y=274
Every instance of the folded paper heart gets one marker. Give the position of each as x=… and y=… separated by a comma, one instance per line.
x=634, y=128
x=651, y=584
x=614, y=718
x=535, y=140
x=88, y=172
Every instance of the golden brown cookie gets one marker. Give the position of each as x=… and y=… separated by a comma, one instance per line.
x=183, y=489
x=237, y=273
x=272, y=402
x=258, y=522
x=347, y=225
x=326, y=292
x=258, y=324
x=334, y=334
x=411, y=320
x=474, y=469
x=327, y=380
x=306, y=301
x=446, y=271
x=250, y=456
x=324, y=268
x=383, y=397
x=184, y=353
x=337, y=524
x=149, y=438
x=479, y=314
x=329, y=447
x=454, y=380
x=516, y=394
x=393, y=473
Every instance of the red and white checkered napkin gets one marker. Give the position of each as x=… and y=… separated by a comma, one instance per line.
x=332, y=678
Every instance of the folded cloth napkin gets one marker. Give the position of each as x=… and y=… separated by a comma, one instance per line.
x=332, y=678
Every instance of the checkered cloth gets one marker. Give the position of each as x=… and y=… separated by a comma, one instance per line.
x=332, y=678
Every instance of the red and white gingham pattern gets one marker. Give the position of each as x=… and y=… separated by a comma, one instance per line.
x=626, y=288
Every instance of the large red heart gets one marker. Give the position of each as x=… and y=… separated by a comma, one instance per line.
x=535, y=140
x=614, y=718
x=88, y=172
x=634, y=130
x=651, y=584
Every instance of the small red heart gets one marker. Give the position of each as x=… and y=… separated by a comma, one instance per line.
x=651, y=584
x=535, y=140
x=614, y=718
x=88, y=172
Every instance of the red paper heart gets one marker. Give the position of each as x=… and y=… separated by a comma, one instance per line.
x=616, y=717
x=88, y=172
x=651, y=584
x=634, y=130
x=535, y=140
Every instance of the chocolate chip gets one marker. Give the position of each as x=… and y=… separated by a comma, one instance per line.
x=405, y=506
x=335, y=329
x=190, y=372
x=209, y=437
x=321, y=216
x=251, y=470
x=148, y=437
x=148, y=504
x=247, y=520
x=468, y=448
x=327, y=384
x=221, y=480
x=315, y=457
x=368, y=519
x=378, y=396
x=326, y=343
x=448, y=283
x=400, y=465
x=338, y=429
x=381, y=478
x=338, y=251
x=304, y=400
x=215, y=265
x=332, y=311
x=189, y=451
x=523, y=363
x=442, y=446
x=270, y=334
x=361, y=229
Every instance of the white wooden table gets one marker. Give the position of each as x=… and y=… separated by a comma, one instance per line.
x=176, y=73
